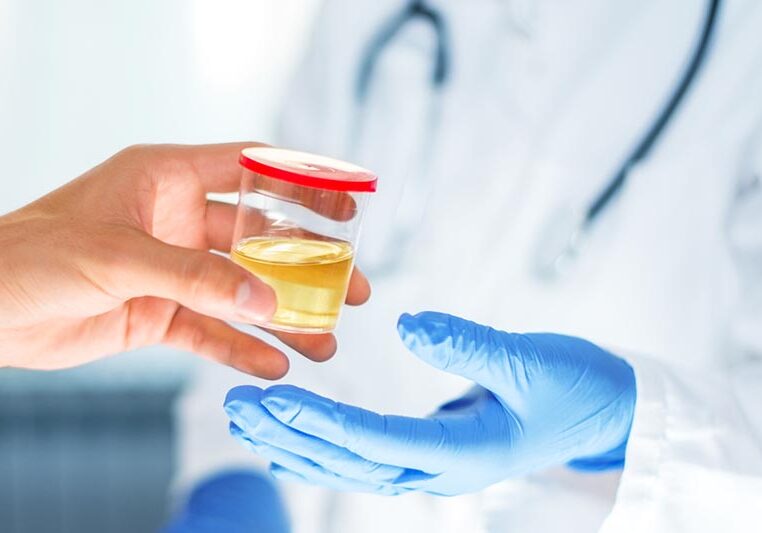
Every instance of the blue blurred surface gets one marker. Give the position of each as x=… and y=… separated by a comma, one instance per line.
x=83, y=459
x=234, y=501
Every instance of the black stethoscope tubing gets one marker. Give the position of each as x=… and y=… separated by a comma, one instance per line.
x=420, y=10
x=655, y=130
x=417, y=9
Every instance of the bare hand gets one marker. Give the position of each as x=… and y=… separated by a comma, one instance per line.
x=120, y=258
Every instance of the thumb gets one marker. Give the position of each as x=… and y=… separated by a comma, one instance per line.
x=207, y=283
x=491, y=358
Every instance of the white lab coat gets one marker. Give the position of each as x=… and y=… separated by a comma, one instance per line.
x=545, y=100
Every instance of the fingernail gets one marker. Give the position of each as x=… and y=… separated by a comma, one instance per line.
x=255, y=300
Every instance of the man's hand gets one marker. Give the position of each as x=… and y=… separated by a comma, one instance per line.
x=120, y=258
x=541, y=400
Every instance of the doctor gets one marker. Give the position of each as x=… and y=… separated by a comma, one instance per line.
x=488, y=145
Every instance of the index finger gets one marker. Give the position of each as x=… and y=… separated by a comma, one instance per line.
x=215, y=165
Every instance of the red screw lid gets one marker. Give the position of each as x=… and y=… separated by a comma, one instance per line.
x=309, y=170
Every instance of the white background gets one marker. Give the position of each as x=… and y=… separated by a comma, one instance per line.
x=80, y=79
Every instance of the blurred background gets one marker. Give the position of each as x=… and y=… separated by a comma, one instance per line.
x=91, y=449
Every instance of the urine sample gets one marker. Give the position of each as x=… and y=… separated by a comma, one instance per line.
x=297, y=229
x=310, y=277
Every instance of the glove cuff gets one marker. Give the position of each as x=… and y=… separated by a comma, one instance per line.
x=610, y=460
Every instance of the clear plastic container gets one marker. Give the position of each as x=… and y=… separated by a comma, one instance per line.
x=297, y=229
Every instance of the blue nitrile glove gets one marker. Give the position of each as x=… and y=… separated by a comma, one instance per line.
x=236, y=501
x=542, y=400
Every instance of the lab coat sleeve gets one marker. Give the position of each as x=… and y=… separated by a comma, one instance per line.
x=694, y=462
x=694, y=458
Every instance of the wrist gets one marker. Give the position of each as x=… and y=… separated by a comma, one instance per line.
x=610, y=460
x=7, y=353
x=615, y=424
x=4, y=355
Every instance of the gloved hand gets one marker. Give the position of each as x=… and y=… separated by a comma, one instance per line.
x=542, y=400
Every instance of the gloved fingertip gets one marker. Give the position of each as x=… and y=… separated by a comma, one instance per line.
x=240, y=435
x=238, y=396
x=285, y=391
x=424, y=330
x=413, y=477
x=235, y=430
x=284, y=402
x=237, y=433
x=284, y=474
x=408, y=327
x=405, y=321
x=281, y=408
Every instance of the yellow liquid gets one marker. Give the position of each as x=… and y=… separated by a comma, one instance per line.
x=310, y=278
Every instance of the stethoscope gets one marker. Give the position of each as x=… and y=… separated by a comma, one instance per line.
x=562, y=238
